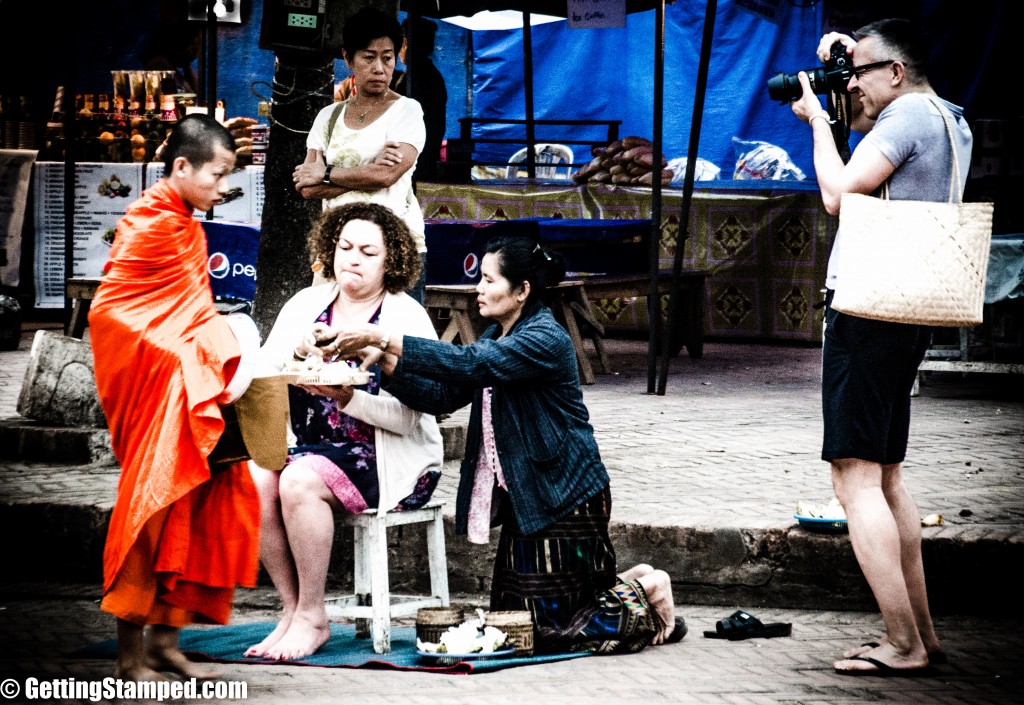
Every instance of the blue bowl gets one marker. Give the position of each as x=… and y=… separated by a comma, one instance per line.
x=821, y=525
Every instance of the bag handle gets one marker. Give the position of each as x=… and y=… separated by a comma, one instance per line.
x=330, y=126
x=954, y=177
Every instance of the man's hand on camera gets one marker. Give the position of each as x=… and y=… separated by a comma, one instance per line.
x=808, y=104
x=825, y=45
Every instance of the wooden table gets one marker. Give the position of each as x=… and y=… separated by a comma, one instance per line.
x=81, y=291
x=456, y=304
x=453, y=308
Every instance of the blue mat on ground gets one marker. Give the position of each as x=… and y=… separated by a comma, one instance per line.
x=342, y=650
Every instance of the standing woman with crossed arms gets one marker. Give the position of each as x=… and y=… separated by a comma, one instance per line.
x=365, y=148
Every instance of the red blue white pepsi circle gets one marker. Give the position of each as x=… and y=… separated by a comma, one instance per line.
x=218, y=265
x=471, y=265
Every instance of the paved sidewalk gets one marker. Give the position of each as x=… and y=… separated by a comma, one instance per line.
x=725, y=455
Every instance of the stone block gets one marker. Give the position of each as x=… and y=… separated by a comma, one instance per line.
x=453, y=436
x=59, y=386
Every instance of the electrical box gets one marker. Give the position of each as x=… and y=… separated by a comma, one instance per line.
x=294, y=26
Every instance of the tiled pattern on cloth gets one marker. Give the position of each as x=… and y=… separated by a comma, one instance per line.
x=766, y=251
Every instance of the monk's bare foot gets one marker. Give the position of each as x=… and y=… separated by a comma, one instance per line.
x=176, y=662
x=304, y=637
x=260, y=650
x=137, y=672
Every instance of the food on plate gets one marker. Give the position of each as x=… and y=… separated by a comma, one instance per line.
x=832, y=510
x=467, y=638
x=314, y=370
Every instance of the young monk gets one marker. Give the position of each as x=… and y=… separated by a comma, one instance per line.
x=180, y=538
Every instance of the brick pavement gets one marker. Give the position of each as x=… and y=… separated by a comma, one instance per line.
x=732, y=445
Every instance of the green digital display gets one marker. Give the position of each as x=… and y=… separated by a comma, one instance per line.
x=296, y=19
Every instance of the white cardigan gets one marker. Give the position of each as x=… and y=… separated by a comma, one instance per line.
x=408, y=442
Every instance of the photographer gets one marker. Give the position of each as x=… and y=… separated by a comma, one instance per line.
x=869, y=366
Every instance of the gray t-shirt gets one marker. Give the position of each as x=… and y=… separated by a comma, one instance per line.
x=912, y=135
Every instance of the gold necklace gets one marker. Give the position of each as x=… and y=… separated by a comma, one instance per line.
x=362, y=116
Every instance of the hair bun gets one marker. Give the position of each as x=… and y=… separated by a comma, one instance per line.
x=554, y=265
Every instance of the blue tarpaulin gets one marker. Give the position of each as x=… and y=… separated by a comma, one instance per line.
x=607, y=74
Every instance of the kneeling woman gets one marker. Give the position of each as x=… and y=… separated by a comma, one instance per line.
x=531, y=464
x=354, y=448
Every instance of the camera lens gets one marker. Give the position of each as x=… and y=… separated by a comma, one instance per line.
x=785, y=87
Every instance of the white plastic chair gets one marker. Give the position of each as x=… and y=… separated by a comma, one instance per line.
x=546, y=154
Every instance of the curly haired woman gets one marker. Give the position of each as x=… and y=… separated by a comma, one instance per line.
x=353, y=449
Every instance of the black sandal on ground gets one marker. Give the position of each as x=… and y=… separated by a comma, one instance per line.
x=742, y=625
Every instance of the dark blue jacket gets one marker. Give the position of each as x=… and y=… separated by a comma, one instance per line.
x=544, y=440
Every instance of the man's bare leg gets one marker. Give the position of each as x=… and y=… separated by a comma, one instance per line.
x=876, y=543
x=131, y=664
x=908, y=523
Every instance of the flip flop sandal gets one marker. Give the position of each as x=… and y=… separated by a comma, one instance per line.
x=939, y=658
x=884, y=670
x=741, y=625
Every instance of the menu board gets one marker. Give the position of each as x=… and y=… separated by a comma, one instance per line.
x=243, y=202
x=103, y=192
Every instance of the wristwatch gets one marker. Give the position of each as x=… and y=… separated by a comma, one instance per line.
x=327, y=175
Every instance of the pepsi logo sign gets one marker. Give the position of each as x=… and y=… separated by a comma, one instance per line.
x=218, y=265
x=471, y=265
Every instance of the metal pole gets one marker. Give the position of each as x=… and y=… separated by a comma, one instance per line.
x=653, y=302
x=531, y=158
x=691, y=165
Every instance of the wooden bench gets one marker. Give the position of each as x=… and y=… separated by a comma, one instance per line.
x=688, y=326
x=81, y=291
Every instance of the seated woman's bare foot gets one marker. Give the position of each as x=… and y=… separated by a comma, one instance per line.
x=304, y=637
x=260, y=650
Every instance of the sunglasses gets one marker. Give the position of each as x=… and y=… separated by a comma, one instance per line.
x=859, y=71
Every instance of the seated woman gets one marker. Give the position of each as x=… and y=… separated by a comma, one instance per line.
x=353, y=448
x=531, y=464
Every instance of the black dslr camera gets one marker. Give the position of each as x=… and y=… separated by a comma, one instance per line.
x=832, y=77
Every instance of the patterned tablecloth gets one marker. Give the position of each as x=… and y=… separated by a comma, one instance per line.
x=765, y=248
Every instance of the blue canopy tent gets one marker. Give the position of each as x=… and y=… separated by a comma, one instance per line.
x=595, y=90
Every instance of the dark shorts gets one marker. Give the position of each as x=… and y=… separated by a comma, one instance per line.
x=867, y=372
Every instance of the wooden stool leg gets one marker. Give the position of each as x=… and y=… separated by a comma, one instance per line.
x=379, y=580
x=361, y=576
x=436, y=557
x=569, y=321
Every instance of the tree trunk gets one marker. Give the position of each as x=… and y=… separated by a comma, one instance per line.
x=283, y=259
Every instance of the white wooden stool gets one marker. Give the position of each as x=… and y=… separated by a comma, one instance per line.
x=372, y=601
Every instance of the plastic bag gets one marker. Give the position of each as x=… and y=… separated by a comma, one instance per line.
x=704, y=171
x=761, y=160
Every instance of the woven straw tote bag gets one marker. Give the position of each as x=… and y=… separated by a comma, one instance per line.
x=916, y=262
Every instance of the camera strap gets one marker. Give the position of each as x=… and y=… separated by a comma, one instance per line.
x=839, y=112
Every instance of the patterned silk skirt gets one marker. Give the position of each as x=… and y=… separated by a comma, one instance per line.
x=564, y=575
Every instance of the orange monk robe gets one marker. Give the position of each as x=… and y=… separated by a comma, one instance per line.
x=162, y=355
